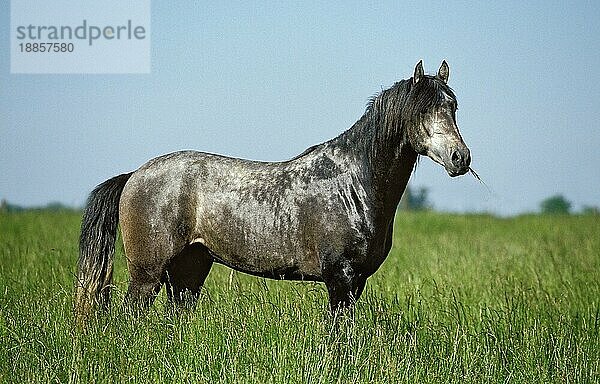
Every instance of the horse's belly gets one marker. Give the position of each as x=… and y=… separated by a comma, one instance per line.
x=267, y=258
x=264, y=238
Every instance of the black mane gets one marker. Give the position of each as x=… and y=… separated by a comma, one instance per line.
x=408, y=100
x=385, y=112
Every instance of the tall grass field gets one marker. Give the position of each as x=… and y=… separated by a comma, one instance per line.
x=460, y=298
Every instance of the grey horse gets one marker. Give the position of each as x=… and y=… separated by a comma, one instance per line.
x=326, y=215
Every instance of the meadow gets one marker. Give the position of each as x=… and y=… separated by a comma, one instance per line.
x=461, y=298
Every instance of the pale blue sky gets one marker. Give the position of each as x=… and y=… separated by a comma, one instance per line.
x=266, y=81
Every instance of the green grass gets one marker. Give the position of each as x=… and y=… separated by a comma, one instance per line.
x=460, y=299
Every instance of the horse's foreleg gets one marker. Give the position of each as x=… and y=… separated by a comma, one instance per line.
x=185, y=276
x=344, y=286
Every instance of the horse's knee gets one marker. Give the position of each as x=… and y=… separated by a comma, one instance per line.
x=344, y=287
x=344, y=296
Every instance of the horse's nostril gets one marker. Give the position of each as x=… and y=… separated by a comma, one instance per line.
x=456, y=158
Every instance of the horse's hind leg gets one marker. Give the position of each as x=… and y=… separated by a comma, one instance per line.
x=143, y=289
x=185, y=275
x=147, y=258
x=145, y=282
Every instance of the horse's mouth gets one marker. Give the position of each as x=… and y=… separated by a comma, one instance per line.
x=457, y=172
x=451, y=169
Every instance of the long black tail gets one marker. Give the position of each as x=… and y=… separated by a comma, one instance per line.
x=97, y=246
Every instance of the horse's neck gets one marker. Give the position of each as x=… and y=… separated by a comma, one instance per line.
x=388, y=162
x=390, y=181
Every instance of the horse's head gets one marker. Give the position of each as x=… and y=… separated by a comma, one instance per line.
x=432, y=128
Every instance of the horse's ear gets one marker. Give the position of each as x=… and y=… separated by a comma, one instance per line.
x=419, y=73
x=444, y=72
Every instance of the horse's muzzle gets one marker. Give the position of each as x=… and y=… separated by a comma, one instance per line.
x=460, y=160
